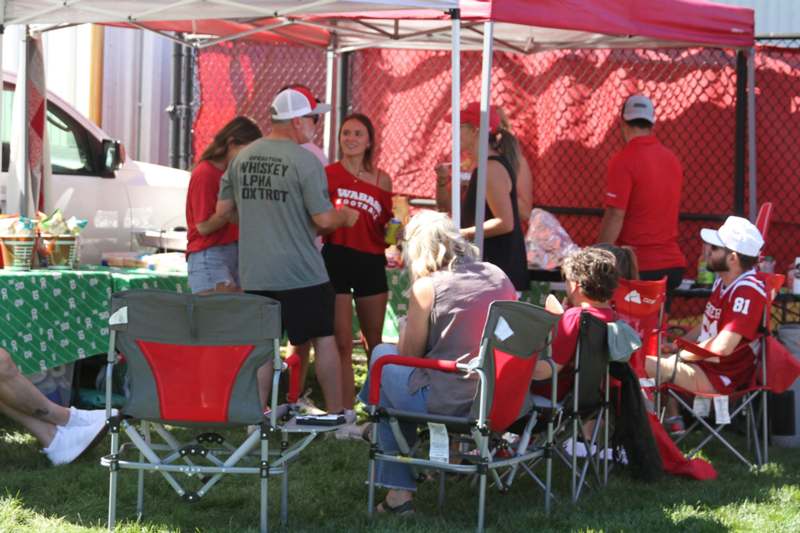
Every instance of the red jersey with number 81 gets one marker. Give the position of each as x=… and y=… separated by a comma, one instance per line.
x=737, y=308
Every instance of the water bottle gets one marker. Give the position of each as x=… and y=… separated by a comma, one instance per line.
x=705, y=278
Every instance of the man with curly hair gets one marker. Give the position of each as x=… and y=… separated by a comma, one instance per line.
x=591, y=277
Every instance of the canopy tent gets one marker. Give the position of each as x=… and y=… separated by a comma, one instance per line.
x=522, y=26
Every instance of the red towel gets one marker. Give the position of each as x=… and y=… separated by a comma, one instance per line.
x=674, y=461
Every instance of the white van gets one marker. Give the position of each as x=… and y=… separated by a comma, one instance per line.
x=93, y=180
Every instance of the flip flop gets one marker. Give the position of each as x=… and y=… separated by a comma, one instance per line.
x=404, y=509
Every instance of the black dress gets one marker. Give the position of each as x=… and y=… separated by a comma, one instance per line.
x=508, y=250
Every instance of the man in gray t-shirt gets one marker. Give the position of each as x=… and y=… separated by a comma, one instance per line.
x=279, y=194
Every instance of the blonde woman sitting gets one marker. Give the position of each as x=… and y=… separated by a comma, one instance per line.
x=449, y=299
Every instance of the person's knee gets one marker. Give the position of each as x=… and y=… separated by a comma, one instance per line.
x=8, y=369
x=650, y=364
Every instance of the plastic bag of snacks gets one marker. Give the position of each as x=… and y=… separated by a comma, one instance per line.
x=58, y=245
x=547, y=242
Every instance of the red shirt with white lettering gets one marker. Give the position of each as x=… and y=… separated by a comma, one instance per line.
x=373, y=203
x=565, y=342
x=645, y=179
x=737, y=308
x=201, y=202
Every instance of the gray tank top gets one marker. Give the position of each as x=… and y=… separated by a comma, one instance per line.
x=461, y=302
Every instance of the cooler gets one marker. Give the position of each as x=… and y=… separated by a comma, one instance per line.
x=784, y=408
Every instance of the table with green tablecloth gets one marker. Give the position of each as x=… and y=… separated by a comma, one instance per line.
x=54, y=317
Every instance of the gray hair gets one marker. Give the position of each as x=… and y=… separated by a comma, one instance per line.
x=433, y=243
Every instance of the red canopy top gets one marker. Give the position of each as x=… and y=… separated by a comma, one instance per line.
x=688, y=21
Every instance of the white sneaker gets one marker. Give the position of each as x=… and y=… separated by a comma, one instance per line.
x=70, y=442
x=350, y=432
x=83, y=417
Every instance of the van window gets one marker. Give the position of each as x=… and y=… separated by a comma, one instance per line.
x=70, y=150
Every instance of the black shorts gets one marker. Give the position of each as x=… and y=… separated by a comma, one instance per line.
x=306, y=313
x=361, y=273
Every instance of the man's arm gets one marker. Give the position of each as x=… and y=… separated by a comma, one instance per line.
x=211, y=225
x=723, y=344
x=611, y=225
x=333, y=219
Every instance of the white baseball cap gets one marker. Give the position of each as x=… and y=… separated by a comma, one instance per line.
x=296, y=102
x=737, y=234
x=638, y=106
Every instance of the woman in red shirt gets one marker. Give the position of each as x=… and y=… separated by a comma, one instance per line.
x=355, y=256
x=213, y=251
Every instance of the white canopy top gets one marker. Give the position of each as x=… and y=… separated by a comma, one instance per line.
x=80, y=11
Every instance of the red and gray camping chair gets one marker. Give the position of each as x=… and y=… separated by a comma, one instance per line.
x=514, y=335
x=587, y=400
x=192, y=362
x=750, y=401
x=641, y=305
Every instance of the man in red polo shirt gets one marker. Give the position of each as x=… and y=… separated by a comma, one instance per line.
x=642, y=199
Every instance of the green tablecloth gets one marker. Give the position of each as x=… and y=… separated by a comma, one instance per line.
x=56, y=317
x=53, y=317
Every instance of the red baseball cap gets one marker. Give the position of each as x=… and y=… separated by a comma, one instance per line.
x=472, y=115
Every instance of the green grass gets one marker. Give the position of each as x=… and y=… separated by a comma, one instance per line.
x=327, y=493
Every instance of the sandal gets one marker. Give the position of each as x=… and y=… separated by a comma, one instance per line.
x=404, y=509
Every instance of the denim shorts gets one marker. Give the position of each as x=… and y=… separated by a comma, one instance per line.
x=214, y=265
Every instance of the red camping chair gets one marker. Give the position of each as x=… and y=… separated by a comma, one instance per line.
x=745, y=399
x=641, y=305
x=763, y=219
x=192, y=362
x=514, y=335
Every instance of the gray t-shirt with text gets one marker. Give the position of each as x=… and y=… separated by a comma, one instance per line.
x=277, y=186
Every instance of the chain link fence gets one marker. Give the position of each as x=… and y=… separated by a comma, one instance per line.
x=564, y=107
x=241, y=78
x=778, y=137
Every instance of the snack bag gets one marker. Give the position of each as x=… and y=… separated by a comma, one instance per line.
x=546, y=241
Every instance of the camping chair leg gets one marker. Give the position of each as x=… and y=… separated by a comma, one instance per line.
x=752, y=428
x=548, y=464
x=574, y=459
x=112, y=483
x=607, y=416
x=140, y=475
x=372, y=466
x=440, y=499
x=263, y=519
x=284, y=482
x=764, y=427
x=483, y=444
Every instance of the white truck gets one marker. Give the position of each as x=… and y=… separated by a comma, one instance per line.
x=93, y=180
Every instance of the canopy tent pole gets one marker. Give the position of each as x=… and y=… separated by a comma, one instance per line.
x=2, y=32
x=22, y=168
x=455, y=104
x=483, y=134
x=751, y=133
x=331, y=120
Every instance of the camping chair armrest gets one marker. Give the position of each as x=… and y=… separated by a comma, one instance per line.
x=294, y=364
x=376, y=371
x=693, y=348
x=553, y=379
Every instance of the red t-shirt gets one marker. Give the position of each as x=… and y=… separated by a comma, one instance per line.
x=201, y=202
x=565, y=342
x=373, y=203
x=645, y=180
x=737, y=308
